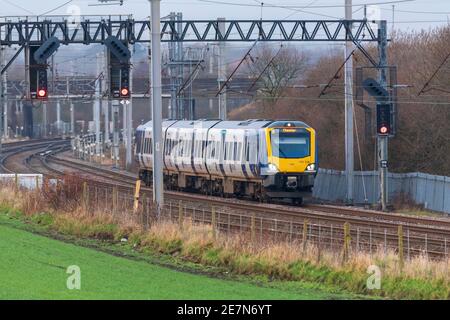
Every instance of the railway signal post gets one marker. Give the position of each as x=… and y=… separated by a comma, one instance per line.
x=383, y=138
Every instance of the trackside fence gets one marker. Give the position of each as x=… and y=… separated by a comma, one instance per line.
x=124, y=205
x=430, y=191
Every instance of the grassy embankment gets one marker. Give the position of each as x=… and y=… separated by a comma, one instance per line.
x=34, y=267
x=196, y=247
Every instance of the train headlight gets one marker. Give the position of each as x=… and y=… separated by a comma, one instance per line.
x=311, y=167
x=272, y=167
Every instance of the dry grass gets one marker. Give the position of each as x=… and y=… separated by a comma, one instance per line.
x=276, y=253
x=418, y=278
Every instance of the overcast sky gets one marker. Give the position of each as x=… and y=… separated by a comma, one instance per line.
x=408, y=15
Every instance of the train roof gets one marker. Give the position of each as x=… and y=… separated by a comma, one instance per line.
x=219, y=124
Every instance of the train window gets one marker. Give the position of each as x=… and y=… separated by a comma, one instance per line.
x=169, y=146
x=239, y=153
x=235, y=151
x=225, y=145
x=197, y=149
x=194, y=150
x=217, y=150
x=143, y=145
x=247, y=151
x=204, y=146
x=138, y=142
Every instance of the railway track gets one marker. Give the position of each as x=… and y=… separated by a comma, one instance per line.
x=382, y=226
x=13, y=152
x=330, y=214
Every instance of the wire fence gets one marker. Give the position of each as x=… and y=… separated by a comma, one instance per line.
x=122, y=204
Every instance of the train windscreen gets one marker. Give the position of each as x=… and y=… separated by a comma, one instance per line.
x=290, y=143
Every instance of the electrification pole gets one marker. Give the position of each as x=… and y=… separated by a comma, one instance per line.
x=44, y=118
x=180, y=58
x=221, y=72
x=115, y=128
x=158, y=191
x=72, y=118
x=383, y=140
x=71, y=110
x=173, y=69
x=97, y=105
x=2, y=90
x=27, y=89
x=349, y=111
x=5, y=97
x=128, y=105
x=107, y=104
x=58, y=117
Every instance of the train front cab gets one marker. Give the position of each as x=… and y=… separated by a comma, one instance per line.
x=292, y=160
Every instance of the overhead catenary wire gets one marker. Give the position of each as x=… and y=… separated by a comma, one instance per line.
x=54, y=9
x=247, y=54
x=379, y=3
x=434, y=74
x=265, y=69
x=366, y=200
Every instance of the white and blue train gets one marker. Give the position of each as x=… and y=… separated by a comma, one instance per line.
x=262, y=159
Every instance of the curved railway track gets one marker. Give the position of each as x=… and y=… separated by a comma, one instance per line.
x=436, y=230
x=13, y=152
x=332, y=214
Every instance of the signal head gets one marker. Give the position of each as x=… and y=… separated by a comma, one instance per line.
x=42, y=93
x=384, y=130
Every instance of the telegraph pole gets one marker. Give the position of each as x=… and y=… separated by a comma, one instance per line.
x=158, y=191
x=383, y=140
x=349, y=111
x=221, y=72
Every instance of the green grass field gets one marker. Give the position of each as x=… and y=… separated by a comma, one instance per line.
x=34, y=267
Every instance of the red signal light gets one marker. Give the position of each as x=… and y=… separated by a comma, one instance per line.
x=383, y=130
x=124, y=92
x=42, y=93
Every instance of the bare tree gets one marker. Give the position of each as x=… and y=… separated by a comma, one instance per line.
x=274, y=69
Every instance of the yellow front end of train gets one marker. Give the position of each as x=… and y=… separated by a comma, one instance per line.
x=292, y=160
x=291, y=149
